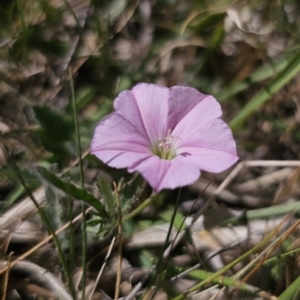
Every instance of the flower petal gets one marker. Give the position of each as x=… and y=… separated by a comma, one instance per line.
x=210, y=147
x=206, y=110
x=120, y=159
x=214, y=135
x=165, y=174
x=126, y=105
x=118, y=143
x=214, y=161
x=182, y=101
x=152, y=101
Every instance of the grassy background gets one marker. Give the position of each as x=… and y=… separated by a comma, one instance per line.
x=245, y=53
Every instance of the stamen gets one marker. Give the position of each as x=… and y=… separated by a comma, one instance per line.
x=165, y=149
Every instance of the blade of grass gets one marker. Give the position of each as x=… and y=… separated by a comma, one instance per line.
x=230, y=282
x=261, y=74
x=265, y=213
x=292, y=291
x=84, y=232
x=292, y=68
x=71, y=239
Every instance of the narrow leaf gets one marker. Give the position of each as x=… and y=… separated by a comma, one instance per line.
x=261, y=74
x=73, y=190
x=261, y=97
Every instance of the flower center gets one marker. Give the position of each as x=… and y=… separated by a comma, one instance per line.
x=165, y=147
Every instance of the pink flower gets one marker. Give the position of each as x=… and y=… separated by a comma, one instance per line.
x=166, y=134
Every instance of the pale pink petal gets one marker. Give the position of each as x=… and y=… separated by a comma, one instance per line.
x=126, y=105
x=166, y=174
x=152, y=101
x=213, y=135
x=120, y=159
x=118, y=143
x=210, y=148
x=214, y=161
x=208, y=109
x=182, y=101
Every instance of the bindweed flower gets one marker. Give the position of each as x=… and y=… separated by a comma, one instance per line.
x=166, y=134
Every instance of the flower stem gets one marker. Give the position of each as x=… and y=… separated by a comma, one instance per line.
x=84, y=233
x=140, y=208
x=162, y=256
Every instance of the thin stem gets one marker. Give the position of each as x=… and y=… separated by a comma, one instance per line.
x=163, y=256
x=71, y=235
x=48, y=225
x=119, y=273
x=84, y=233
x=140, y=208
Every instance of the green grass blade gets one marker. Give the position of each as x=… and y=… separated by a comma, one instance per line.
x=265, y=213
x=261, y=74
x=292, y=292
x=261, y=97
x=229, y=282
x=84, y=230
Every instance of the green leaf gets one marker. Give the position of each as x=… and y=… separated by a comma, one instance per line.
x=56, y=127
x=56, y=134
x=73, y=190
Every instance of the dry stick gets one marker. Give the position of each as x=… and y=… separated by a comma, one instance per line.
x=43, y=278
x=272, y=163
x=13, y=213
x=255, y=163
x=103, y=266
x=6, y=277
x=119, y=271
x=47, y=239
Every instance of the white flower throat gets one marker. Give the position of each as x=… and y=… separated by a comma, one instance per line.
x=165, y=147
